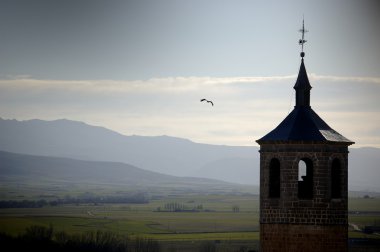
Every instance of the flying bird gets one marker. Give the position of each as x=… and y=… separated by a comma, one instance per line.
x=202, y=100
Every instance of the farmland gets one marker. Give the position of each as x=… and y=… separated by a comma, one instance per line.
x=215, y=222
x=142, y=219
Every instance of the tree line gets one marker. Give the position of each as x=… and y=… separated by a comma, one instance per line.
x=130, y=199
x=46, y=239
x=40, y=238
x=179, y=207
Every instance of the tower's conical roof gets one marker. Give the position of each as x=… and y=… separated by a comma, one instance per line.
x=303, y=124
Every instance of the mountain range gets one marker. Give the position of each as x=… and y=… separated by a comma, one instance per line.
x=43, y=172
x=160, y=154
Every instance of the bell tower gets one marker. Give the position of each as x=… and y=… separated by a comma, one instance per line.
x=303, y=180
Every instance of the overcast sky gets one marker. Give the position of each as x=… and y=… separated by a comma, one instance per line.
x=141, y=67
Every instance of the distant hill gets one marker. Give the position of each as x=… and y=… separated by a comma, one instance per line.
x=38, y=170
x=162, y=154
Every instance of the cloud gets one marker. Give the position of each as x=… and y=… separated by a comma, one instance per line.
x=246, y=108
x=344, y=79
x=162, y=85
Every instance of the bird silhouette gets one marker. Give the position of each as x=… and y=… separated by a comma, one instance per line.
x=202, y=100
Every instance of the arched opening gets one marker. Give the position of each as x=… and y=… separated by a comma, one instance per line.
x=305, y=178
x=274, y=178
x=336, y=184
x=301, y=170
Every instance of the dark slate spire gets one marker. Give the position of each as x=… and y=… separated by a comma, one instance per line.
x=303, y=124
x=302, y=85
x=302, y=88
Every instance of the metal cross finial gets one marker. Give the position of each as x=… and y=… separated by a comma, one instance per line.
x=302, y=41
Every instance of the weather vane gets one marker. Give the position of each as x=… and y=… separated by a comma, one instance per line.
x=303, y=41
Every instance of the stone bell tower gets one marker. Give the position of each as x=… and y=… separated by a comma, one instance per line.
x=303, y=180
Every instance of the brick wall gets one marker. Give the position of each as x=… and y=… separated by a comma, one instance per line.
x=288, y=222
x=321, y=209
x=302, y=238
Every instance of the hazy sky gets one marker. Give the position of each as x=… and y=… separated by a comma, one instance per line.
x=141, y=67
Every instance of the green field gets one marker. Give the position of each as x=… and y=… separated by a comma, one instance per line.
x=217, y=221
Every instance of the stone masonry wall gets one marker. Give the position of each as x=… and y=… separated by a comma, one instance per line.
x=305, y=238
x=289, y=208
x=290, y=223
